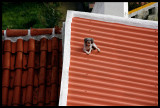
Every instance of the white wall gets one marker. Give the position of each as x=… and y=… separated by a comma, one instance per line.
x=111, y=8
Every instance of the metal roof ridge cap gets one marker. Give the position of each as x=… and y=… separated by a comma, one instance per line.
x=66, y=61
x=117, y=19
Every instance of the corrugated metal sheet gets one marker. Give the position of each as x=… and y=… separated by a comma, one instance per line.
x=125, y=72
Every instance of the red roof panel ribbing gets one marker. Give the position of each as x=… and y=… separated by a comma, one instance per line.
x=124, y=73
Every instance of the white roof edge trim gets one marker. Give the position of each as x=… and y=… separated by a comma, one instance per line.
x=66, y=60
x=67, y=38
x=117, y=19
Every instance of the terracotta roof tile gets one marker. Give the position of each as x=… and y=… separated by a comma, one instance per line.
x=16, y=95
x=35, y=95
x=48, y=77
x=29, y=64
x=41, y=94
x=30, y=77
x=37, y=45
x=23, y=95
x=18, y=77
x=35, y=32
x=42, y=74
x=12, y=61
x=54, y=58
x=54, y=43
x=16, y=32
x=25, y=58
x=13, y=45
x=24, y=78
x=48, y=94
x=49, y=60
x=54, y=75
x=43, y=46
x=57, y=30
x=53, y=104
x=60, y=60
x=54, y=93
x=31, y=45
x=49, y=45
x=25, y=46
x=37, y=61
x=28, y=104
x=7, y=45
x=43, y=58
x=19, y=58
x=31, y=59
x=4, y=95
x=60, y=45
x=29, y=94
x=7, y=60
x=36, y=74
x=60, y=75
x=10, y=97
x=41, y=104
x=19, y=45
x=12, y=76
x=5, y=78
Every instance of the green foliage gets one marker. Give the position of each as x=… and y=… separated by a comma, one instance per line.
x=23, y=15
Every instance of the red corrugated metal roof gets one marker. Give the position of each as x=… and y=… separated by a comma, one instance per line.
x=124, y=73
x=31, y=69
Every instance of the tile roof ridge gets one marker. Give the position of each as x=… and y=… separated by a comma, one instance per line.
x=35, y=33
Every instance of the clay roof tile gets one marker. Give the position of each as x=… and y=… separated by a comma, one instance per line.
x=4, y=96
x=24, y=78
x=13, y=47
x=7, y=45
x=42, y=76
x=19, y=61
x=54, y=43
x=19, y=45
x=29, y=94
x=25, y=58
x=54, y=93
x=16, y=95
x=5, y=78
x=18, y=77
x=25, y=47
x=7, y=60
x=41, y=94
x=12, y=77
x=23, y=96
x=10, y=97
x=35, y=31
x=30, y=76
x=43, y=58
x=31, y=59
x=49, y=45
x=43, y=44
x=16, y=32
x=12, y=61
x=31, y=45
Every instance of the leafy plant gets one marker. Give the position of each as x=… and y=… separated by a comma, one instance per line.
x=23, y=15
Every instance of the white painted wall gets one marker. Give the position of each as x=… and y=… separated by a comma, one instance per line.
x=111, y=8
